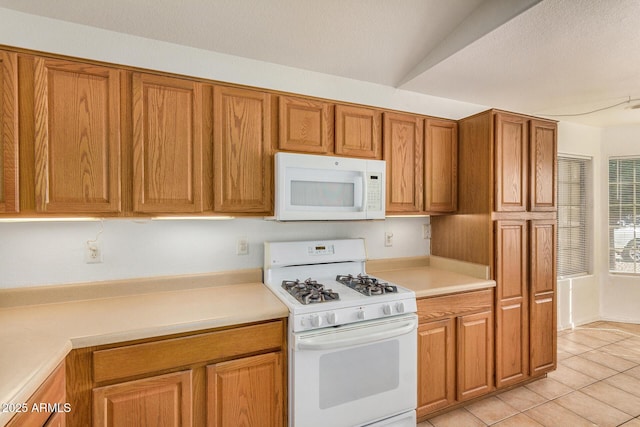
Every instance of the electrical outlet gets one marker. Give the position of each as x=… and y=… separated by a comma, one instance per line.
x=242, y=246
x=388, y=238
x=426, y=231
x=93, y=253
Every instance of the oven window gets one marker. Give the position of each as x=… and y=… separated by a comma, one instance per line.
x=317, y=193
x=353, y=374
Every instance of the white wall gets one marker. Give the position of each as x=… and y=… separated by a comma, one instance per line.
x=579, y=297
x=620, y=296
x=52, y=253
x=44, y=253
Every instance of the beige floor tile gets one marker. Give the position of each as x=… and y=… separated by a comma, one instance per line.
x=605, y=334
x=564, y=355
x=551, y=414
x=520, y=420
x=621, y=351
x=571, y=377
x=424, y=424
x=613, y=396
x=457, y=418
x=633, y=423
x=631, y=343
x=549, y=388
x=572, y=347
x=521, y=398
x=625, y=382
x=587, y=339
x=491, y=410
x=609, y=360
x=592, y=409
x=635, y=372
x=592, y=369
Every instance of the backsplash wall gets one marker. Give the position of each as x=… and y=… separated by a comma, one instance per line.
x=49, y=253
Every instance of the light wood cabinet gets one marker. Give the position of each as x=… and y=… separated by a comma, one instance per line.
x=543, y=356
x=163, y=401
x=507, y=183
x=440, y=166
x=49, y=396
x=167, y=144
x=403, y=151
x=9, y=200
x=224, y=377
x=455, y=349
x=77, y=137
x=358, y=132
x=245, y=392
x=243, y=165
x=306, y=125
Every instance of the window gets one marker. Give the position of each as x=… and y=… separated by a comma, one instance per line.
x=574, y=216
x=624, y=215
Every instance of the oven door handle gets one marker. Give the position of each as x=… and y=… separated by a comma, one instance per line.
x=330, y=342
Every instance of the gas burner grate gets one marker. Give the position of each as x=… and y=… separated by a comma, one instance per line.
x=309, y=291
x=366, y=285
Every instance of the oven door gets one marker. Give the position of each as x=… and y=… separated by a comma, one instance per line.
x=354, y=375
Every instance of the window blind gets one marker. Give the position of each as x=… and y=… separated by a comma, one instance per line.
x=624, y=215
x=574, y=217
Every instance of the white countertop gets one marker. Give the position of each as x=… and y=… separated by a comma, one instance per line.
x=35, y=339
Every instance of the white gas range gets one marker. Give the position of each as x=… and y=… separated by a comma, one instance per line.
x=352, y=338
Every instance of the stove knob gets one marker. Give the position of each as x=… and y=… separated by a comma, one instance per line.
x=386, y=309
x=331, y=318
x=360, y=314
x=316, y=320
x=400, y=307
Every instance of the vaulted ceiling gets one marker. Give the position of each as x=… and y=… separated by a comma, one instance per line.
x=530, y=56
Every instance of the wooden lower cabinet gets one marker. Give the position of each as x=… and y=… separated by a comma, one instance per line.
x=245, y=392
x=225, y=377
x=455, y=349
x=162, y=401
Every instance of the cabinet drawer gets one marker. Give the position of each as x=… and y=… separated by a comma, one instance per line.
x=138, y=359
x=453, y=305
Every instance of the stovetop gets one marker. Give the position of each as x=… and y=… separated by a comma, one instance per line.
x=329, y=285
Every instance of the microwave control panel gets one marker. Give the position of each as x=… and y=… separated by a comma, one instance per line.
x=374, y=191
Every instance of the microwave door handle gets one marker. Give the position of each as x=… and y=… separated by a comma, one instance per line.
x=331, y=342
x=364, y=191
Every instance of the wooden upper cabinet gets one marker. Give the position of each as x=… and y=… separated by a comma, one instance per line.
x=543, y=165
x=358, y=132
x=167, y=144
x=511, y=166
x=306, y=125
x=242, y=164
x=77, y=137
x=9, y=196
x=441, y=166
x=403, y=151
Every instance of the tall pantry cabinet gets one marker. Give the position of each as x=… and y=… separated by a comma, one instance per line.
x=507, y=219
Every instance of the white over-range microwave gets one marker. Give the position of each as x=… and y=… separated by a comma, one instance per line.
x=309, y=188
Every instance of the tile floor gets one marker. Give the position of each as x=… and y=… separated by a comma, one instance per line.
x=597, y=383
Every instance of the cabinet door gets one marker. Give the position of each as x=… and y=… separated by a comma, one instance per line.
x=246, y=392
x=543, y=296
x=9, y=200
x=164, y=400
x=358, y=132
x=475, y=354
x=243, y=176
x=436, y=365
x=511, y=167
x=57, y=419
x=511, y=303
x=544, y=163
x=403, y=148
x=167, y=144
x=441, y=166
x=306, y=125
x=77, y=138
